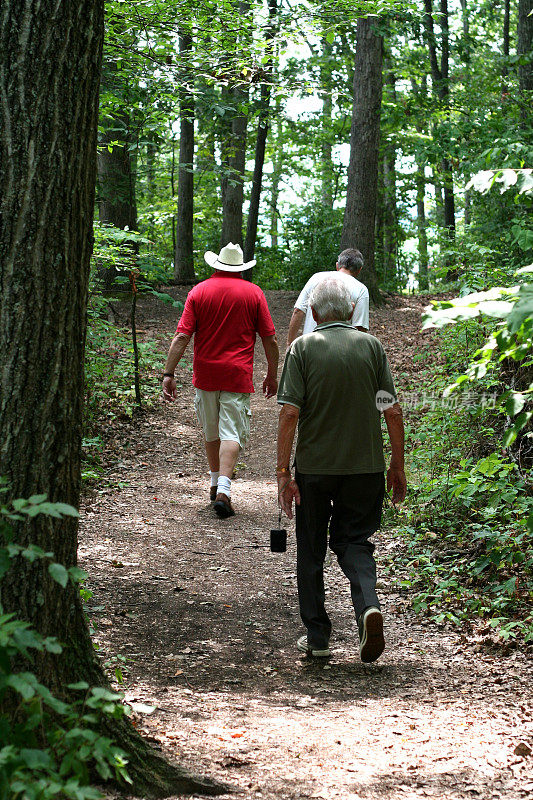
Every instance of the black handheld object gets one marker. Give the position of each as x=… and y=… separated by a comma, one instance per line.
x=278, y=538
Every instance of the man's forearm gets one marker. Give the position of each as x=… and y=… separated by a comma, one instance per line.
x=177, y=348
x=270, y=346
x=394, y=421
x=288, y=420
x=294, y=325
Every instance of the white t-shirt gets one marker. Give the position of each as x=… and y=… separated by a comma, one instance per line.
x=358, y=292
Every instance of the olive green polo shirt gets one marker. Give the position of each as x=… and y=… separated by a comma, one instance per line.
x=332, y=375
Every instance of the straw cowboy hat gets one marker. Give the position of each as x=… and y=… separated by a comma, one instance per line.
x=229, y=259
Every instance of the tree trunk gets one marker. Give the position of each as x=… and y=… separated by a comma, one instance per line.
x=439, y=198
x=277, y=170
x=116, y=175
x=257, y=181
x=390, y=211
x=423, y=278
x=184, y=255
x=523, y=46
x=361, y=194
x=49, y=78
x=233, y=196
x=260, y=146
x=441, y=88
x=420, y=92
x=326, y=161
x=390, y=215
x=150, y=168
x=378, y=226
x=506, y=41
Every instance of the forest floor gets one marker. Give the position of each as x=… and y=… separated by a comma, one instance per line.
x=207, y=618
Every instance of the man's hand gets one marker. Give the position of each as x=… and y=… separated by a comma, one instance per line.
x=170, y=389
x=270, y=386
x=287, y=491
x=397, y=481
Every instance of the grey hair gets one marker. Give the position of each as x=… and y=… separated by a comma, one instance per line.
x=331, y=300
x=351, y=259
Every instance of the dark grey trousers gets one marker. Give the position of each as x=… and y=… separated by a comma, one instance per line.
x=351, y=505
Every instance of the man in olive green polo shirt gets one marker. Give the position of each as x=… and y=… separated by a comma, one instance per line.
x=335, y=382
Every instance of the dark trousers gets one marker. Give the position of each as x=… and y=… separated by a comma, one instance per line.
x=351, y=505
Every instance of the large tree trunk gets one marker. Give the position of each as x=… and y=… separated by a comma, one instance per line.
x=361, y=194
x=49, y=78
x=184, y=255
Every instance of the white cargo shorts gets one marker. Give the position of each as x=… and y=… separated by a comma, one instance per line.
x=224, y=415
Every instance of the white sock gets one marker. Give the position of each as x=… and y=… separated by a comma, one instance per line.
x=224, y=485
x=214, y=478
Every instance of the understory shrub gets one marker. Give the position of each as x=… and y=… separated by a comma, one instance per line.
x=49, y=747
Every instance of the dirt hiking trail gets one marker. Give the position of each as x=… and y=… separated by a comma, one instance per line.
x=207, y=619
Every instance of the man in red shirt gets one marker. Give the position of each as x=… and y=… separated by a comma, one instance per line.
x=224, y=313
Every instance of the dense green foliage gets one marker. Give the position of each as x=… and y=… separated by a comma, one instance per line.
x=469, y=530
x=49, y=747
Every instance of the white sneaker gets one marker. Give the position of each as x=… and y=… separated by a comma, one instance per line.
x=302, y=645
x=372, y=643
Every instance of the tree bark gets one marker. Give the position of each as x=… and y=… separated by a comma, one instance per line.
x=257, y=180
x=361, y=194
x=233, y=196
x=390, y=211
x=420, y=92
x=260, y=146
x=49, y=79
x=523, y=46
x=277, y=170
x=326, y=149
x=423, y=260
x=117, y=204
x=506, y=40
x=184, y=252
x=441, y=88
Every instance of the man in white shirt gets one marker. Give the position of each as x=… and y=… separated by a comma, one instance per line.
x=349, y=265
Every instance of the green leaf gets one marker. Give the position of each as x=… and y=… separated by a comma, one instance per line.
x=523, y=308
x=77, y=574
x=515, y=403
x=23, y=683
x=19, y=503
x=66, y=510
x=52, y=645
x=520, y=422
x=81, y=686
x=36, y=759
x=36, y=498
x=58, y=573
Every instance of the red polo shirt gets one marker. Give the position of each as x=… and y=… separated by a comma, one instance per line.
x=225, y=312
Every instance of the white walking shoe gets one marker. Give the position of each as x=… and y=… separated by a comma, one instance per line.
x=302, y=645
